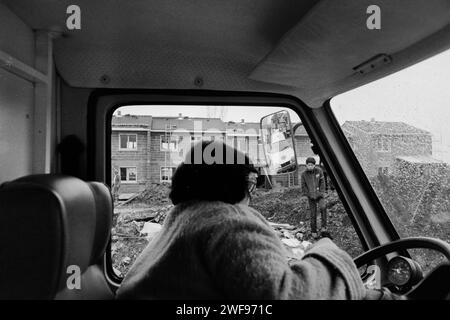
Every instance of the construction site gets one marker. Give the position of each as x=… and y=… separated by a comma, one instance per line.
x=146, y=151
x=140, y=219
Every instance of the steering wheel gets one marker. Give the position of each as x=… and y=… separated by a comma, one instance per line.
x=405, y=243
x=432, y=280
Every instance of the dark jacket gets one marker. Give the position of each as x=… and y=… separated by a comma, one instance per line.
x=214, y=250
x=313, y=183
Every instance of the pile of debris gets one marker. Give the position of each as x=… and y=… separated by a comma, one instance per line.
x=292, y=238
x=152, y=214
x=136, y=224
x=154, y=194
x=284, y=205
x=140, y=220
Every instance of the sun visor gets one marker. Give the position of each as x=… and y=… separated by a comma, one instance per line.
x=333, y=39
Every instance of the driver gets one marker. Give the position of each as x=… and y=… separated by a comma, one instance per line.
x=214, y=246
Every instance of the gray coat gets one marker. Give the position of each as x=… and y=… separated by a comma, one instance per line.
x=213, y=250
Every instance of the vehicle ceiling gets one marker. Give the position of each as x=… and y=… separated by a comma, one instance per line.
x=306, y=48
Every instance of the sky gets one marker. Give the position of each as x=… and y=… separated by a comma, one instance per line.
x=418, y=95
x=232, y=113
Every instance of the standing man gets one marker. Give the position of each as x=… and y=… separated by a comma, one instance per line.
x=313, y=188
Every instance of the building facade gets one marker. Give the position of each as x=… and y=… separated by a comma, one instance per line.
x=146, y=149
x=382, y=146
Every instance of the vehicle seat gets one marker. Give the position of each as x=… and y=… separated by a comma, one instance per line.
x=49, y=223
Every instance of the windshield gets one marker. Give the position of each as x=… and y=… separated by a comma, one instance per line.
x=398, y=128
x=149, y=142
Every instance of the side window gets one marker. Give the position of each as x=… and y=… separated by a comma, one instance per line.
x=141, y=195
x=406, y=116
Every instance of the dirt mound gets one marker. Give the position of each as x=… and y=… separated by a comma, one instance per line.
x=287, y=206
x=281, y=205
x=151, y=205
x=154, y=194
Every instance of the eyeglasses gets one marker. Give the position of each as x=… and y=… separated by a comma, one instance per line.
x=251, y=182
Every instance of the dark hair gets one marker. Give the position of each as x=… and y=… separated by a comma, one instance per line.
x=311, y=160
x=71, y=147
x=218, y=181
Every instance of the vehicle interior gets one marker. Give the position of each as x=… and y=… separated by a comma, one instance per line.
x=70, y=72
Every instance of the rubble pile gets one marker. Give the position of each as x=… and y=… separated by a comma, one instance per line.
x=292, y=238
x=286, y=206
x=284, y=209
x=283, y=205
x=136, y=223
x=421, y=210
x=154, y=194
x=288, y=214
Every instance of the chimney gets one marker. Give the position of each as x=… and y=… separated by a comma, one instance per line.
x=242, y=121
x=372, y=119
x=180, y=116
x=119, y=114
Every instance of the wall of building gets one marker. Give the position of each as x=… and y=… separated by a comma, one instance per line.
x=363, y=147
x=160, y=158
x=303, y=146
x=149, y=158
x=130, y=158
x=249, y=145
x=403, y=145
x=16, y=100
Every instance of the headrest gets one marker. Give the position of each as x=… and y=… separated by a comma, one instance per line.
x=48, y=223
x=104, y=208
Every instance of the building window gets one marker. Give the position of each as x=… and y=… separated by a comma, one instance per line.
x=169, y=143
x=128, y=141
x=383, y=171
x=383, y=144
x=128, y=174
x=167, y=173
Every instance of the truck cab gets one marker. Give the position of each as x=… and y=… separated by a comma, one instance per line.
x=100, y=102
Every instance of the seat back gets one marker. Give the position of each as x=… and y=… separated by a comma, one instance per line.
x=51, y=227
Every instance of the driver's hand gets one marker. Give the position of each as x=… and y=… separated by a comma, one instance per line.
x=323, y=242
x=382, y=294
